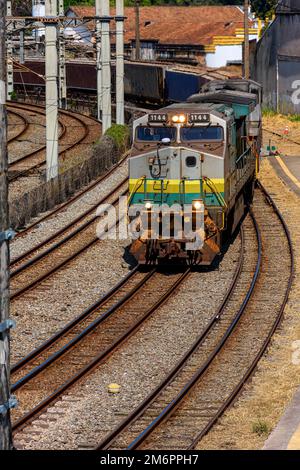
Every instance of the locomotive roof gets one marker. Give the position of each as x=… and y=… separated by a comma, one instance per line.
x=225, y=96
x=205, y=107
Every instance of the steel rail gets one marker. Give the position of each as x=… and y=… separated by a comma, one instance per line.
x=22, y=131
x=69, y=326
x=281, y=135
x=74, y=198
x=63, y=263
x=59, y=232
x=41, y=149
x=171, y=407
x=33, y=153
x=237, y=390
x=32, y=414
x=132, y=417
x=36, y=370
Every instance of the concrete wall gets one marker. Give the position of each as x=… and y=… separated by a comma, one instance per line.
x=276, y=63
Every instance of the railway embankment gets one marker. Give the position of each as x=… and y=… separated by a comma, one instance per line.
x=48, y=194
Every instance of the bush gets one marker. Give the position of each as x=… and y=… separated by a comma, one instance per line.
x=120, y=135
x=261, y=428
x=269, y=112
x=294, y=117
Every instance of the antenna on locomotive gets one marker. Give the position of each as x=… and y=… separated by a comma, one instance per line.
x=165, y=141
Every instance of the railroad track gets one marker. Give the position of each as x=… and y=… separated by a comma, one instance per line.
x=36, y=159
x=25, y=125
x=72, y=199
x=190, y=400
x=282, y=136
x=52, y=370
x=58, y=250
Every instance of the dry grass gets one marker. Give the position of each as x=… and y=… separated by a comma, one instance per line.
x=247, y=424
x=278, y=123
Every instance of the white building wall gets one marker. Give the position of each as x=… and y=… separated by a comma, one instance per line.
x=225, y=54
x=39, y=9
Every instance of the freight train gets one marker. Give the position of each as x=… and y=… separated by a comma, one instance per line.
x=192, y=173
x=156, y=84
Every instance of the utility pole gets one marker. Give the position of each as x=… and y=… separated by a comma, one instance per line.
x=98, y=59
x=22, y=53
x=120, y=61
x=6, y=401
x=62, y=61
x=9, y=55
x=51, y=91
x=105, y=65
x=246, y=41
x=137, y=31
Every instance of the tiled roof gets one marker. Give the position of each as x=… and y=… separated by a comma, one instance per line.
x=195, y=25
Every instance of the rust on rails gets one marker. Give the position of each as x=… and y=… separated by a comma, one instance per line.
x=134, y=424
x=117, y=331
x=38, y=156
x=29, y=261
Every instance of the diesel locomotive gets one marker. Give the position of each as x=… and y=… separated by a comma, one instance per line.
x=192, y=172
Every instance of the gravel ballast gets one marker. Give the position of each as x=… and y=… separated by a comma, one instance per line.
x=139, y=365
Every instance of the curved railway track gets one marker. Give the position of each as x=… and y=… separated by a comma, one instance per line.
x=36, y=159
x=282, y=136
x=47, y=373
x=71, y=200
x=37, y=264
x=189, y=401
x=25, y=125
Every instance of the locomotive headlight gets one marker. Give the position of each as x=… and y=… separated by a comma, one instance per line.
x=148, y=205
x=197, y=205
x=181, y=118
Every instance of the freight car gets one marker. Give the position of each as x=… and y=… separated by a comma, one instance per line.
x=144, y=83
x=192, y=173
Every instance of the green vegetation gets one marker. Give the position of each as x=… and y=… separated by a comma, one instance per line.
x=263, y=8
x=269, y=112
x=294, y=117
x=120, y=135
x=261, y=428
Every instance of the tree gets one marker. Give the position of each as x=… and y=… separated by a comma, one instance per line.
x=22, y=7
x=264, y=8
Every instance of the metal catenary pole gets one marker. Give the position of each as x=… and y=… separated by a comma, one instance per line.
x=120, y=61
x=62, y=61
x=105, y=66
x=9, y=55
x=51, y=90
x=246, y=41
x=6, y=401
x=22, y=51
x=137, y=31
x=98, y=60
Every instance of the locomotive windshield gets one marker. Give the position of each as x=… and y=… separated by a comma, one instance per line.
x=211, y=133
x=155, y=134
